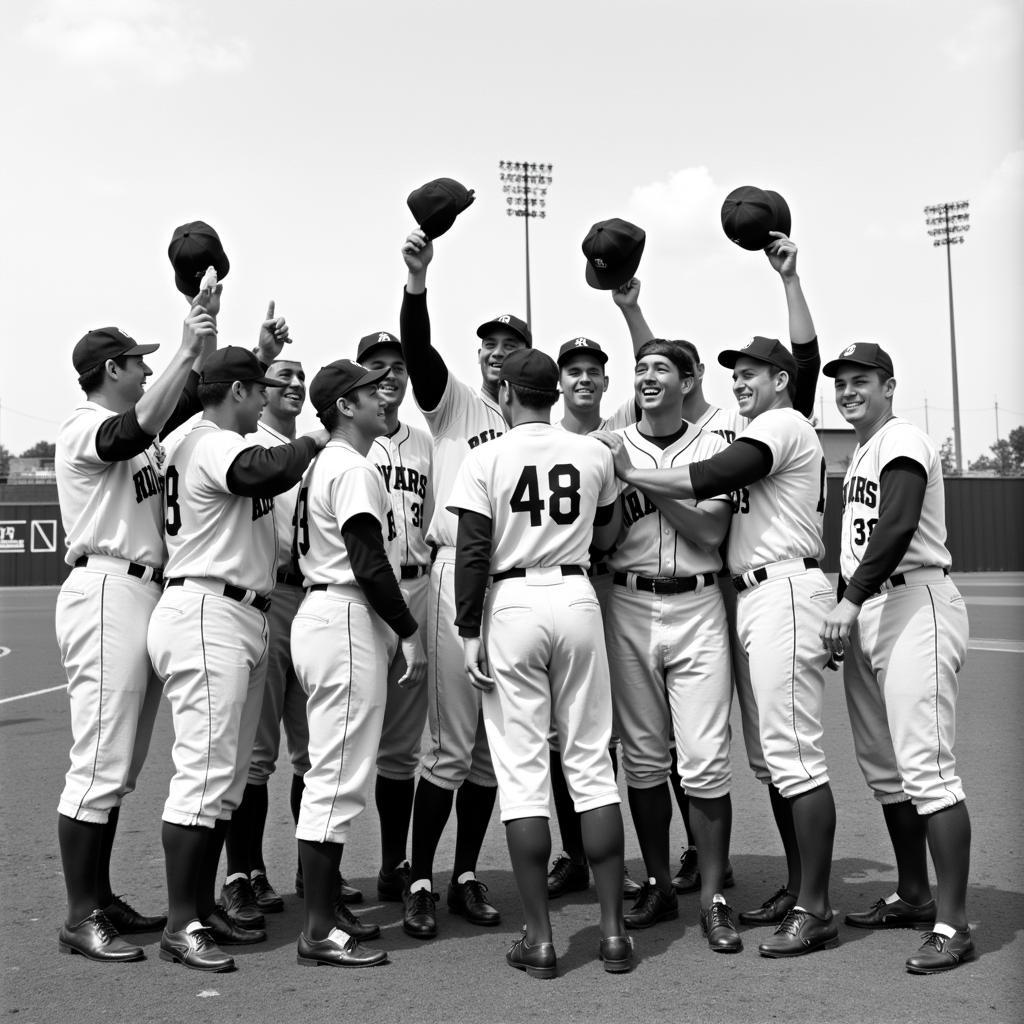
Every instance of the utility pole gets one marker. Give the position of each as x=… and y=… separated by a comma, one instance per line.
x=526, y=188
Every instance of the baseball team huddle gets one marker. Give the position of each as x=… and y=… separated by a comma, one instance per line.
x=504, y=607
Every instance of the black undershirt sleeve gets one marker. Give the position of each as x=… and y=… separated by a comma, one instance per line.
x=427, y=369
x=808, y=366
x=188, y=404
x=365, y=545
x=743, y=463
x=603, y=514
x=121, y=438
x=260, y=472
x=472, y=567
x=900, y=500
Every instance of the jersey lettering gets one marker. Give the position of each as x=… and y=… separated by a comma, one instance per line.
x=862, y=530
x=172, y=510
x=392, y=528
x=727, y=435
x=147, y=484
x=261, y=507
x=632, y=510
x=300, y=525
x=740, y=501
x=484, y=435
x=563, y=502
x=861, y=491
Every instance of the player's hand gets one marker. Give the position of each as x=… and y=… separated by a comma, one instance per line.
x=836, y=628
x=475, y=660
x=417, y=252
x=319, y=437
x=627, y=296
x=415, y=662
x=199, y=327
x=781, y=253
x=209, y=295
x=620, y=457
x=273, y=336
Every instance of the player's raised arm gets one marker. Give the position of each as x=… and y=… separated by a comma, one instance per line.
x=259, y=472
x=427, y=370
x=627, y=298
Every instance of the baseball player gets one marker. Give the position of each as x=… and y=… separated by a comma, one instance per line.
x=343, y=637
x=529, y=506
x=208, y=636
x=777, y=471
x=404, y=456
x=902, y=625
x=109, y=483
x=669, y=651
x=460, y=419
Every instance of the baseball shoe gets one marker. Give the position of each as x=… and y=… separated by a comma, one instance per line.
x=772, y=911
x=337, y=950
x=942, y=953
x=538, y=961
x=467, y=899
x=801, y=932
x=196, y=950
x=226, y=932
x=239, y=902
x=718, y=928
x=567, y=876
x=616, y=953
x=652, y=906
x=898, y=914
x=348, y=922
x=687, y=878
x=128, y=921
x=97, y=939
x=267, y=898
x=391, y=884
x=349, y=893
x=419, y=919
x=631, y=888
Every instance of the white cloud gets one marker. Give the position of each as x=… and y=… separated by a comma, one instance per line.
x=993, y=33
x=688, y=201
x=153, y=37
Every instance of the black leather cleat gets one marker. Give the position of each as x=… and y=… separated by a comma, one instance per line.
x=239, y=902
x=617, y=954
x=392, y=884
x=567, y=876
x=195, y=950
x=538, y=961
x=801, y=932
x=718, y=928
x=226, y=932
x=651, y=907
x=128, y=921
x=267, y=897
x=772, y=911
x=361, y=931
x=939, y=953
x=337, y=950
x=97, y=939
x=467, y=899
x=631, y=888
x=420, y=917
x=899, y=914
x=687, y=878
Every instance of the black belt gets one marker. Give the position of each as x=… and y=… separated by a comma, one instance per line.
x=515, y=574
x=666, y=584
x=412, y=572
x=598, y=569
x=235, y=593
x=292, y=579
x=760, y=575
x=136, y=569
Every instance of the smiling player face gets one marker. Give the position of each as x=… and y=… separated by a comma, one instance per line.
x=390, y=389
x=583, y=382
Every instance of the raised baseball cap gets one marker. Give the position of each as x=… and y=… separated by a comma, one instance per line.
x=750, y=213
x=194, y=247
x=764, y=350
x=861, y=353
x=576, y=346
x=103, y=343
x=436, y=204
x=506, y=322
x=231, y=363
x=613, y=249
x=530, y=368
x=371, y=342
x=337, y=379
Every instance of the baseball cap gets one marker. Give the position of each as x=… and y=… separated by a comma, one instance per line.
x=613, y=249
x=436, y=204
x=862, y=353
x=337, y=379
x=530, y=368
x=231, y=363
x=105, y=343
x=764, y=350
x=508, y=322
x=749, y=213
x=194, y=247
x=574, y=346
x=371, y=342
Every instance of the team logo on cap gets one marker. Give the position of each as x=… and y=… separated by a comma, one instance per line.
x=599, y=263
x=581, y=343
x=503, y=319
x=849, y=350
x=383, y=337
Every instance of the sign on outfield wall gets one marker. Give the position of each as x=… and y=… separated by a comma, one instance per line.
x=31, y=545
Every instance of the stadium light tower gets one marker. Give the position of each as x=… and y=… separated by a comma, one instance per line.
x=525, y=186
x=947, y=225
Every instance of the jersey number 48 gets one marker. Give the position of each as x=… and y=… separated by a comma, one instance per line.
x=563, y=503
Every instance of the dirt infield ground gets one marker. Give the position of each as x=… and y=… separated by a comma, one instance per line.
x=461, y=976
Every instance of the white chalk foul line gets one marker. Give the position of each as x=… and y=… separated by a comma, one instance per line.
x=34, y=693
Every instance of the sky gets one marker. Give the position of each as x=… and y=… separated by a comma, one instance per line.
x=297, y=130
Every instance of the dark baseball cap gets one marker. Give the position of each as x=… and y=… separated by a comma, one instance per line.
x=613, y=249
x=371, y=342
x=862, y=353
x=750, y=213
x=194, y=247
x=581, y=345
x=530, y=368
x=337, y=379
x=436, y=204
x=764, y=350
x=506, y=322
x=105, y=343
x=231, y=363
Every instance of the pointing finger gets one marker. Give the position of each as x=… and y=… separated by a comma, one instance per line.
x=270, y=310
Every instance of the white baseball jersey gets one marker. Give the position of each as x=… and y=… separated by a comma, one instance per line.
x=897, y=438
x=650, y=545
x=462, y=421
x=534, y=476
x=211, y=531
x=284, y=504
x=406, y=462
x=780, y=516
x=339, y=484
x=727, y=424
x=108, y=508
